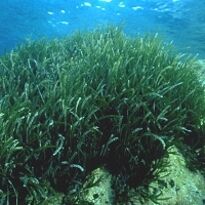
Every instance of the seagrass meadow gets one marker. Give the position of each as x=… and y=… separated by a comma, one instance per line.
x=95, y=99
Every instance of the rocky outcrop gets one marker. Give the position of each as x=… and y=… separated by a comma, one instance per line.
x=177, y=186
x=97, y=189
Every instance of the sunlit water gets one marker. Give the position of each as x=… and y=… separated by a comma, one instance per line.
x=180, y=21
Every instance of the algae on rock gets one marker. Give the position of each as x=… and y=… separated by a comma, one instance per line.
x=97, y=189
x=179, y=186
x=57, y=199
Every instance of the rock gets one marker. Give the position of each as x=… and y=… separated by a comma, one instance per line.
x=97, y=189
x=56, y=199
x=178, y=185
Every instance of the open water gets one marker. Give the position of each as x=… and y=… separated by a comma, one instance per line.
x=180, y=21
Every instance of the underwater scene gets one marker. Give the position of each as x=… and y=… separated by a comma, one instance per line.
x=180, y=21
x=102, y=102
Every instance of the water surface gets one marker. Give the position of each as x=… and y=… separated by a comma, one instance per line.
x=180, y=21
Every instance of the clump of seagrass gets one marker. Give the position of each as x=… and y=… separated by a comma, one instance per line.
x=93, y=99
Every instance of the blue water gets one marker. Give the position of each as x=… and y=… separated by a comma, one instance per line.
x=180, y=21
